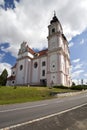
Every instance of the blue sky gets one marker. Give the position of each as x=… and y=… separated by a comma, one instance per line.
x=27, y=20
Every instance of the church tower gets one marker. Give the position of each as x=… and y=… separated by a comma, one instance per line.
x=58, y=55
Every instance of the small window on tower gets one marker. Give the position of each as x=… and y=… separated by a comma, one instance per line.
x=21, y=67
x=53, y=30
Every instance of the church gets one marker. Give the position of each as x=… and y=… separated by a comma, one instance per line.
x=47, y=67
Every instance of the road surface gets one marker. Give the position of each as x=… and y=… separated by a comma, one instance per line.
x=22, y=114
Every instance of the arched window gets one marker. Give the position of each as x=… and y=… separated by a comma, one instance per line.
x=21, y=67
x=53, y=30
x=35, y=65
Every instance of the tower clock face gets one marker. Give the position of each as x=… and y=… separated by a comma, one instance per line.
x=53, y=66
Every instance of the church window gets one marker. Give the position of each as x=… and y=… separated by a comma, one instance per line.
x=21, y=67
x=53, y=30
x=35, y=65
x=43, y=63
x=53, y=66
x=13, y=72
x=43, y=72
x=12, y=82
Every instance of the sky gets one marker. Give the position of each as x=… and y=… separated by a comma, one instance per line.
x=28, y=20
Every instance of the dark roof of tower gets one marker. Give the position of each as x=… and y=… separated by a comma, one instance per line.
x=54, y=19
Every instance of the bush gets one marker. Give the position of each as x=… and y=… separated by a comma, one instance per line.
x=79, y=87
x=61, y=86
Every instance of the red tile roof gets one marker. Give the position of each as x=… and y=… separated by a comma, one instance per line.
x=43, y=52
x=11, y=78
x=30, y=50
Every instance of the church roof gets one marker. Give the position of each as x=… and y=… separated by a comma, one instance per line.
x=14, y=66
x=11, y=78
x=30, y=50
x=43, y=52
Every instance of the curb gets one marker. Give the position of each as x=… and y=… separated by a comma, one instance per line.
x=70, y=93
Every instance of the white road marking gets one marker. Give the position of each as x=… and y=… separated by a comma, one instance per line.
x=9, y=110
x=42, y=118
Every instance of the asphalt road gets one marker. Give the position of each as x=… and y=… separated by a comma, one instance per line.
x=13, y=115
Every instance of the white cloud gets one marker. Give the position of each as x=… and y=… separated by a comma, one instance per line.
x=77, y=74
x=71, y=44
x=78, y=66
x=85, y=81
x=1, y=2
x=82, y=42
x=79, y=69
x=76, y=60
x=78, y=81
x=5, y=66
x=13, y=50
x=85, y=75
x=29, y=21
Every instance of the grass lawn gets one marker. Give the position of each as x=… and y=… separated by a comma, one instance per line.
x=10, y=95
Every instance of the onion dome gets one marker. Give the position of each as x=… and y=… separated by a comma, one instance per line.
x=54, y=19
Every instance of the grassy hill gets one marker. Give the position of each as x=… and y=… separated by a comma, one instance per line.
x=10, y=95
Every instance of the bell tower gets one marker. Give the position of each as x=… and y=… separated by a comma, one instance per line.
x=58, y=54
x=54, y=32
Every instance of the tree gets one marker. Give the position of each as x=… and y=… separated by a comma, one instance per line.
x=3, y=77
x=73, y=84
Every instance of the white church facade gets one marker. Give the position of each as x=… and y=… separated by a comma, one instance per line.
x=47, y=67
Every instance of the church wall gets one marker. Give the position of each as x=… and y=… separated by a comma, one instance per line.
x=62, y=79
x=35, y=71
x=53, y=62
x=13, y=72
x=29, y=72
x=60, y=42
x=61, y=69
x=43, y=67
x=20, y=72
x=62, y=63
x=26, y=71
x=52, y=76
x=25, y=54
x=52, y=43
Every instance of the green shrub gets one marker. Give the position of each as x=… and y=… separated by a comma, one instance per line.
x=79, y=87
x=61, y=86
